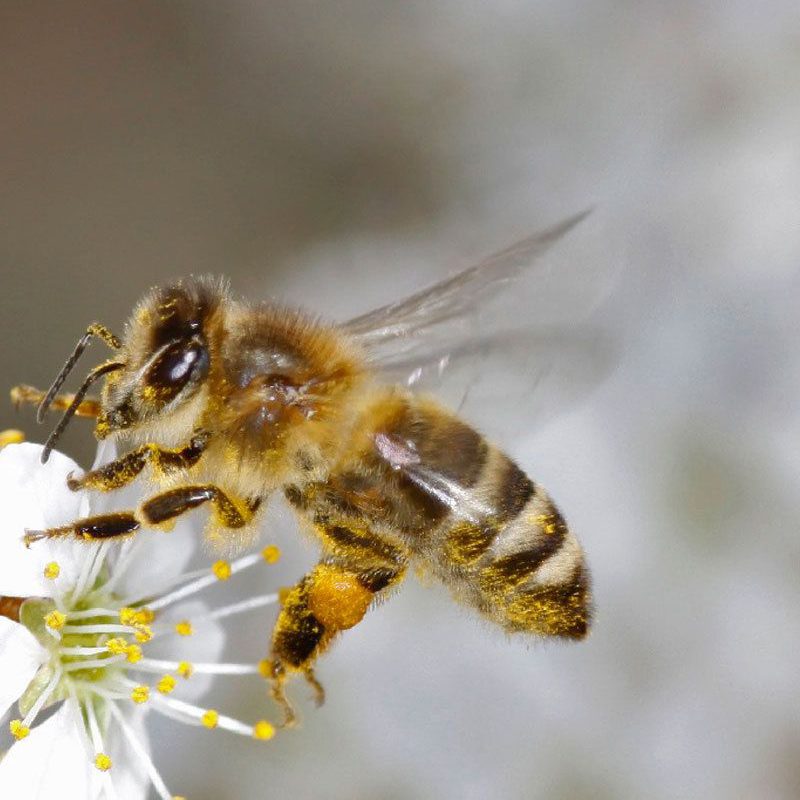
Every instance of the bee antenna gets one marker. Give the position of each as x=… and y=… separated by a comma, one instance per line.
x=97, y=372
x=95, y=329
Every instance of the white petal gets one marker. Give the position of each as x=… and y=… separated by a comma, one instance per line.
x=20, y=657
x=159, y=557
x=35, y=495
x=50, y=762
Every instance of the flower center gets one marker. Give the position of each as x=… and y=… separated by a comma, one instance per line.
x=96, y=638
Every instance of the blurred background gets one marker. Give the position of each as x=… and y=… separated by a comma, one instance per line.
x=340, y=155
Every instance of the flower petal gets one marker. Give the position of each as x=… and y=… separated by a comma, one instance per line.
x=35, y=495
x=50, y=762
x=20, y=657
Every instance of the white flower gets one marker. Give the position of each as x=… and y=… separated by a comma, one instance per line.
x=102, y=632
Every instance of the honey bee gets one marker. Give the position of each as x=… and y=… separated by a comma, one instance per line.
x=227, y=403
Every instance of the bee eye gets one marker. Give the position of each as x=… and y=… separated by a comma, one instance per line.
x=176, y=366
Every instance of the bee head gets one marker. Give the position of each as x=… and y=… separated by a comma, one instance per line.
x=166, y=360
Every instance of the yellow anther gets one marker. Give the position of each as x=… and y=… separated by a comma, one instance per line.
x=283, y=593
x=136, y=616
x=52, y=570
x=11, y=436
x=117, y=646
x=140, y=694
x=55, y=620
x=265, y=668
x=222, y=569
x=210, y=718
x=146, y=616
x=144, y=633
x=133, y=653
x=185, y=669
x=18, y=730
x=102, y=762
x=271, y=553
x=166, y=684
x=184, y=628
x=127, y=616
x=263, y=730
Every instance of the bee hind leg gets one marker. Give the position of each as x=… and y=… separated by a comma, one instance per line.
x=333, y=597
x=313, y=682
x=278, y=676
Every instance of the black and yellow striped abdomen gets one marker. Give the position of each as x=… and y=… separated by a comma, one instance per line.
x=419, y=478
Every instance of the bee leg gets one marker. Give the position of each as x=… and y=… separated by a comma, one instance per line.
x=229, y=511
x=89, y=407
x=158, y=511
x=319, y=689
x=277, y=691
x=105, y=526
x=123, y=470
x=331, y=598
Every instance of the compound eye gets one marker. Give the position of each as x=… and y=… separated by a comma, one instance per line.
x=179, y=364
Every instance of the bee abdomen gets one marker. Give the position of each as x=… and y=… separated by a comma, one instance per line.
x=519, y=563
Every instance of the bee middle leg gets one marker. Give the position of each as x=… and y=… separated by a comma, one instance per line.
x=123, y=470
x=333, y=597
x=159, y=511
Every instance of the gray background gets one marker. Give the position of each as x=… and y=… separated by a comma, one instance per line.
x=342, y=154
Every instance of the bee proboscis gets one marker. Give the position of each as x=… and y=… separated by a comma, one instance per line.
x=227, y=403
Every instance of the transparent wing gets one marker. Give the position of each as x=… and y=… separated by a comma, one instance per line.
x=504, y=342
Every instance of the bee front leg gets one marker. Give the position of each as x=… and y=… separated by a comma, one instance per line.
x=123, y=470
x=159, y=511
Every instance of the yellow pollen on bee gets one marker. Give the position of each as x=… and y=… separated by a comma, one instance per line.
x=55, y=620
x=140, y=694
x=117, y=646
x=210, y=718
x=265, y=668
x=144, y=633
x=283, y=593
x=263, y=730
x=102, y=762
x=52, y=570
x=222, y=569
x=184, y=628
x=546, y=522
x=133, y=653
x=18, y=730
x=166, y=685
x=185, y=670
x=271, y=553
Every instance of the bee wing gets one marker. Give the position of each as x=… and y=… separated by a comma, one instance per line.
x=492, y=341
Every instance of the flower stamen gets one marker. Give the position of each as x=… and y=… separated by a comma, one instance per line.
x=141, y=753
